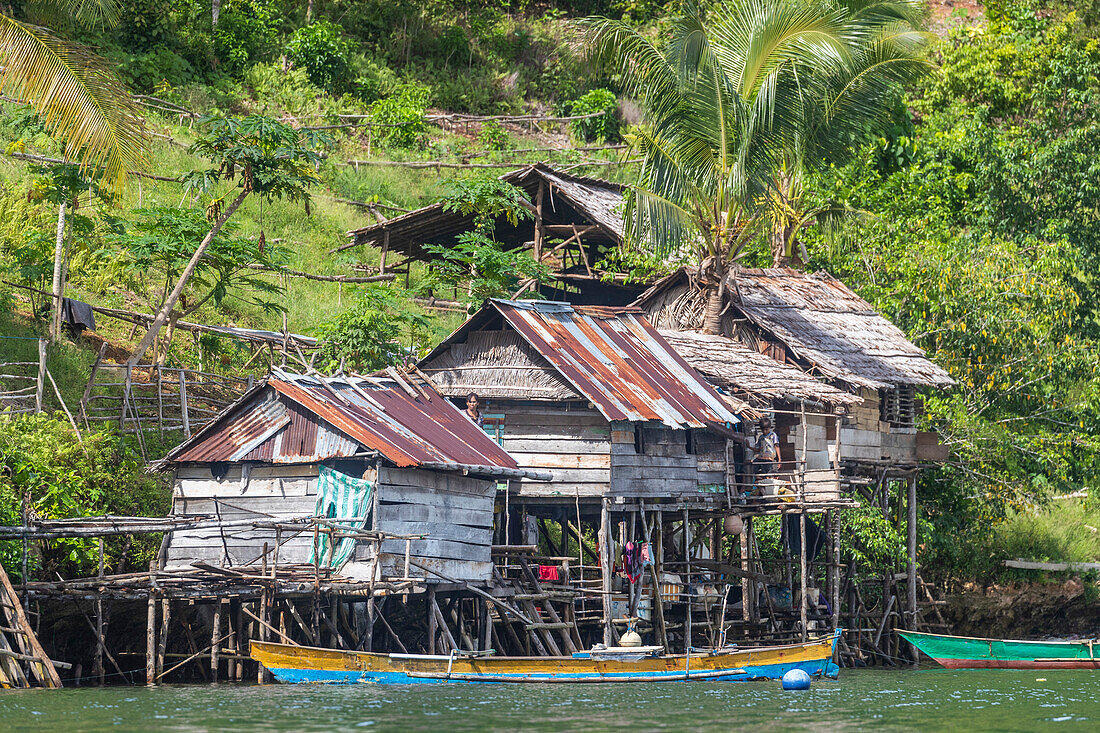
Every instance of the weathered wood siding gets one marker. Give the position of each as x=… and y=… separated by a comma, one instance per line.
x=454, y=512
x=270, y=492
x=664, y=467
x=571, y=443
x=864, y=436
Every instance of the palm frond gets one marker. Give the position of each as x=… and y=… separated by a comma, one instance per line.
x=88, y=13
x=80, y=101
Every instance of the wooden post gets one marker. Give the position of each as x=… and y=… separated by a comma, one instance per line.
x=802, y=565
x=238, y=640
x=605, y=568
x=125, y=396
x=484, y=625
x=162, y=643
x=911, y=530
x=433, y=629
x=40, y=383
x=99, y=641
x=215, y=640
x=747, y=587
x=540, y=197
x=151, y=639
x=183, y=405
x=687, y=583
x=385, y=251
x=834, y=592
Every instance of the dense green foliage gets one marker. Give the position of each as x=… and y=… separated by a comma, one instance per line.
x=982, y=246
x=46, y=470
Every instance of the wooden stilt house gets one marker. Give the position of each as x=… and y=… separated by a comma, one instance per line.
x=363, y=455
x=593, y=395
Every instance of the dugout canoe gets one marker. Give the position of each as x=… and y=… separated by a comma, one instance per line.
x=299, y=664
x=967, y=652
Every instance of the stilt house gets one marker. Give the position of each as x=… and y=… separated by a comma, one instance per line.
x=593, y=395
x=815, y=322
x=365, y=454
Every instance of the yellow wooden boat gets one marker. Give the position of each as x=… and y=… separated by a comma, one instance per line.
x=300, y=664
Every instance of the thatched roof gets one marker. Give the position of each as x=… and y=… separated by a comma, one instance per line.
x=571, y=199
x=756, y=377
x=820, y=322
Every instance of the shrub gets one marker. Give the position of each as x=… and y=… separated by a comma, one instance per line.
x=323, y=53
x=402, y=114
x=373, y=79
x=146, y=71
x=492, y=136
x=245, y=33
x=602, y=128
x=41, y=458
x=373, y=332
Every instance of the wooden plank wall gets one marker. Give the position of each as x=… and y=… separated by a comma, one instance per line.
x=665, y=468
x=572, y=444
x=271, y=491
x=865, y=436
x=456, y=512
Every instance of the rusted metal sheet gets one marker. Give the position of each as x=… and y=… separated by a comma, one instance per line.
x=251, y=427
x=306, y=419
x=616, y=359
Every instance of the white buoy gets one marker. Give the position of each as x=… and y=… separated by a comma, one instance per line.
x=796, y=679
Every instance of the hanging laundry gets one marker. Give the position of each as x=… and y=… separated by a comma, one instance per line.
x=647, y=554
x=549, y=573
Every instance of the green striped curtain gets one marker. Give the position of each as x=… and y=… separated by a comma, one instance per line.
x=345, y=499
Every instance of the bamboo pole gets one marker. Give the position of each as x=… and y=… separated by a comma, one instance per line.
x=216, y=639
x=802, y=566
x=151, y=639
x=605, y=568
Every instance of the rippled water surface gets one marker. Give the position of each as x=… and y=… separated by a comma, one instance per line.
x=925, y=700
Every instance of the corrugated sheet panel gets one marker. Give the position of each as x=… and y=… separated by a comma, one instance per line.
x=306, y=419
x=616, y=359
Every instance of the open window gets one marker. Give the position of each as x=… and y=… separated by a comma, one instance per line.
x=898, y=406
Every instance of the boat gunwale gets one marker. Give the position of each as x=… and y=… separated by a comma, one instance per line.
x=905, y=632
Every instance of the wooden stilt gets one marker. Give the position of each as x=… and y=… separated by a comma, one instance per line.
x=605, y=568
x=162, y=642
x=151, y=640
x=802, y=566
x=215, y=640
x=433, y=629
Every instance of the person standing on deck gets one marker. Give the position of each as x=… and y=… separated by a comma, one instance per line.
x=765, y=448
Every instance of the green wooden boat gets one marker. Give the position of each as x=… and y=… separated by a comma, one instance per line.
x=967, y=652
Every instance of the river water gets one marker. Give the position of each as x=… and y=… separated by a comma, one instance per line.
x=922, y=700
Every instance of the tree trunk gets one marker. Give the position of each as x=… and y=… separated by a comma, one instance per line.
x=716, y=295
x=177, y=291
x=309, y=11
x=58, y=256
x=215, y=11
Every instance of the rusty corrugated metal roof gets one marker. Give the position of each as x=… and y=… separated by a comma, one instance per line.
x=293, y=418
x=617, y=360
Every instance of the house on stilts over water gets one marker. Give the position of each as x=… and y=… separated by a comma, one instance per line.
x=642, y=439
x=814, y=323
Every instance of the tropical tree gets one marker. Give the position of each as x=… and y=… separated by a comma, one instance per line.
x=737, y=103
x=80, y=101
x=257, y=155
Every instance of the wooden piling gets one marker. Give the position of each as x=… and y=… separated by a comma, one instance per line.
x=215, y=640
x=151, y=639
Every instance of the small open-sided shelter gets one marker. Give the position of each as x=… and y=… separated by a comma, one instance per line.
x=387, y=455
x=575, y=221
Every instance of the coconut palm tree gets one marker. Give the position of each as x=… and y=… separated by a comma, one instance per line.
x=80, y=101
x=738, y=103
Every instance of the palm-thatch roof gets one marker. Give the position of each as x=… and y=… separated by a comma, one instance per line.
x=750, y=375
x=815, y=319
